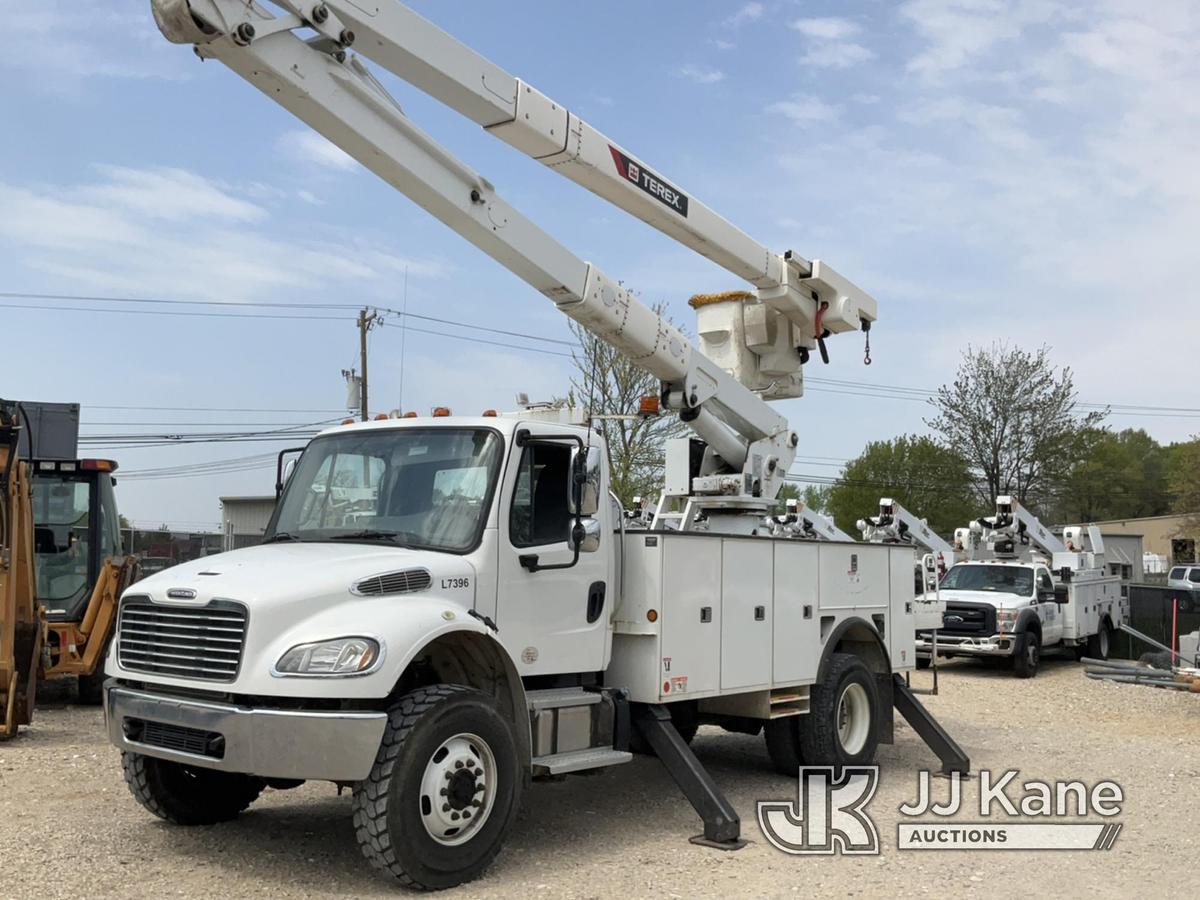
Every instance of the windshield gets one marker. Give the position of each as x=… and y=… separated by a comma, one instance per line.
x=419, y=487
x=1002, y=579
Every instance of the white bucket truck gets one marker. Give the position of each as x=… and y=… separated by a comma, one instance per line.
x=1022, y=590
x=444, y=608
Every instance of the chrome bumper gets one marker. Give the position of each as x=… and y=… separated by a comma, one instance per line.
x=948, y=645
x=272, y=743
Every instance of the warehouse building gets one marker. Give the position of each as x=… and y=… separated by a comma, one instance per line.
x=244, y=520
x=1173, y=537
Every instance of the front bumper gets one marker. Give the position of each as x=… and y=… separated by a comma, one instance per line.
x=950, y=645
x=272, y=743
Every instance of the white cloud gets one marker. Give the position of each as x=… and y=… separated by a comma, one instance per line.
x=723, y=45
x=959, y=32
x=172, y=232
x=749, y=12
x=700, y=74
x=828, y=44
x=311, y=148
x=828, y=28
x=804, y=109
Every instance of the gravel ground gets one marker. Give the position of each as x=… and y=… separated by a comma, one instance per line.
x=69, y=827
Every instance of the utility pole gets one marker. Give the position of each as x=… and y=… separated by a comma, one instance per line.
x=365, y=321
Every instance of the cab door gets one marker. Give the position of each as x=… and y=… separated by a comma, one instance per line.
x=1048, y=611
x=553, y=605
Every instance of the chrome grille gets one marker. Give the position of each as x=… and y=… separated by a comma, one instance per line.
x=404, y=581
x=202, y=642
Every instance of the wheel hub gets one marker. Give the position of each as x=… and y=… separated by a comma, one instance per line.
x=853, y=718
x=458, y=789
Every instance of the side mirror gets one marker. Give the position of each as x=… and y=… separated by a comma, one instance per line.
x=584, y=534
x=1045, y=596
x=585, y=482
x=1062, y=594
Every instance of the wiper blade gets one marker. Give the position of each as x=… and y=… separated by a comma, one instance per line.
x=367, y=534
x=280, y=536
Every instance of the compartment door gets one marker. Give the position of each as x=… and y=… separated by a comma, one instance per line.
x=797, y=632
x=747, y=588
x=691, y=621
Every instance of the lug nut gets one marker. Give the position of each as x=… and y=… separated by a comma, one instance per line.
x=458, y=764
x=445, y=807
x=444, y=792
x=466, y=814
x=454, y=817
x=478, y=772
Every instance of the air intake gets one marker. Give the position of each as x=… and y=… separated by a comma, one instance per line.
x=406, y=581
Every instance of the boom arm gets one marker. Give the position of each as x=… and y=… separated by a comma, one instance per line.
x=1013, y=526
x=896, y=525
x=337, y=96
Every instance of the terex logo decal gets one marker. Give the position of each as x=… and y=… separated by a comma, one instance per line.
x=649, y=182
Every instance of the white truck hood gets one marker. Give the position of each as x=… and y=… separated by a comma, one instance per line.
x=300, y=592
x=998, y=599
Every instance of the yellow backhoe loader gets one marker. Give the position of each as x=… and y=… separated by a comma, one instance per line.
x=61, y=570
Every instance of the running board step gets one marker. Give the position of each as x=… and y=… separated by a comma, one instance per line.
x=579, y=760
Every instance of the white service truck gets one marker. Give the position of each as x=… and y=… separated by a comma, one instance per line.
x=444, y=608
x=1022, y=590
x=896, y=525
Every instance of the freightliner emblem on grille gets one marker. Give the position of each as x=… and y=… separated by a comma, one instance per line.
x=656, y=187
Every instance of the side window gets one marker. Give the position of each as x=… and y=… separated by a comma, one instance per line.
x=1044, y=582
x=1194, y=576
x=1176, y=573
x=539, y=508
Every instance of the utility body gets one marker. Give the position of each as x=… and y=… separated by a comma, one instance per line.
x=896, y=525
x=1021, y=590
x=446, y=607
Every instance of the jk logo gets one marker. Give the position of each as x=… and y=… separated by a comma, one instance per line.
x=828, y=815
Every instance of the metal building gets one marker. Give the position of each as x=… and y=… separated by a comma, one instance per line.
x=244, y=519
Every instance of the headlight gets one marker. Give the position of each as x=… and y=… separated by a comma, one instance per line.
x=1006, y=619
x=341, y=656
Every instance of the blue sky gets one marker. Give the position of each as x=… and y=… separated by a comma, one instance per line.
x=1020, y=171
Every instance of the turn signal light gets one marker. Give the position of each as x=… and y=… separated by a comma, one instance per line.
x=440, y=412
x=648, y=406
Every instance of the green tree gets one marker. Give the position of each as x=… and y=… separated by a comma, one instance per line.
x=1184, y=482
x=930, y=480
x=1113, y=475
x=1015, y=418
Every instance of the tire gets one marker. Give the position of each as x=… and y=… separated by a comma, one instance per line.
x=1099, y=645
x=841, y=728
x=91, y=688
x=1028, y=655
x=406, y=830
x=188, y=795
x=783, y=745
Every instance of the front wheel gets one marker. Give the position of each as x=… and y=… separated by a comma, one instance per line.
x=188, y=795
x=444, y=790
x=1028, y=655
x=841, y=726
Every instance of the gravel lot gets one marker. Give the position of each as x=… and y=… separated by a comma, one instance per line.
x=69, y=828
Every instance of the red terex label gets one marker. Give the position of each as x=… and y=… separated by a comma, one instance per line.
x=649, y=182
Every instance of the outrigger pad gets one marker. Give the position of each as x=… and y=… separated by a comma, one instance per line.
x=722, y=827
x=932, y=733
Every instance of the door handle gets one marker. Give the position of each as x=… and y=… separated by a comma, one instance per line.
x=595, y=600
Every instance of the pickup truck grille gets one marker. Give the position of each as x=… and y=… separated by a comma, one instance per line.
x=969, y=619
x=203, y=642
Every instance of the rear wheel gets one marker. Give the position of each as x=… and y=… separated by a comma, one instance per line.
x=1100, y=643
x=188, y=795
x=1028, y=654
x=841, y=726
x=444, y=790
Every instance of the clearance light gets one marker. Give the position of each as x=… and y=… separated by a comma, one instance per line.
x=489, y=413
x=652, y=615
x=381, y=417
x=97, y=465
x=648, y=406
x=409, y=415
x=347, y=421
x=441, y=412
